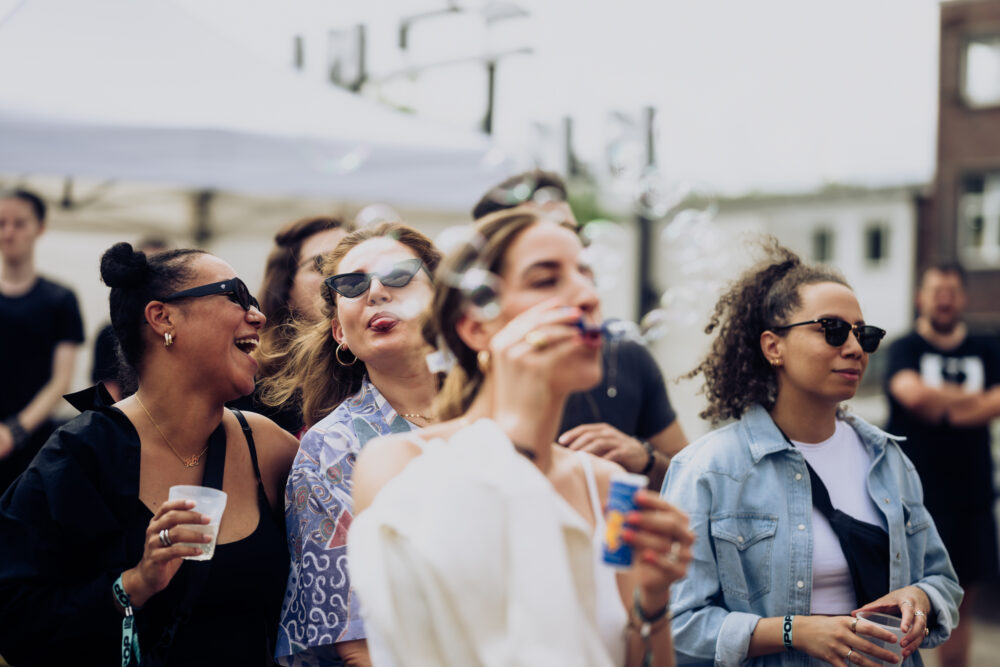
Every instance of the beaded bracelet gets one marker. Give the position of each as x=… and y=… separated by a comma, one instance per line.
x=130, y=637
x=646, y=625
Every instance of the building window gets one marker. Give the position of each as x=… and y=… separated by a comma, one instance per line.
x=876, y=243
x=822, y=245
x=979, y=219
x=981, y=71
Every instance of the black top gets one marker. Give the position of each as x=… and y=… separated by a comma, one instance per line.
x=631, y=396
x=105, y=356
x=31, y=326
x=73, y=522
x=954, y=463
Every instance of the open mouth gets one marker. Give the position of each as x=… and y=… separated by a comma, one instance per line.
x=247, y=345
x=382, y=323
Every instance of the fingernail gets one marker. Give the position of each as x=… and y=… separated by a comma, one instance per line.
x=561, y=439
x=628, y=535
x=632, y=517
x=649, y=556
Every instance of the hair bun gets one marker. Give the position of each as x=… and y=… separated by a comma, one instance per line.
x=121, y=266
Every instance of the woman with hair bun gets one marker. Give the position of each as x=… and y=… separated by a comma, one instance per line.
x=805, y=515
x=92, y=551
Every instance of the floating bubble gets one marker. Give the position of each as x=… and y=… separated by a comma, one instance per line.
x=655, y=195
x=622, y=329
x=625, y=159
x=514, y=195
x=373, y=214
x=481, y=290
x=410, y=308
x=353, y=159
x=680, y=306
x=548, y=195
x=493, y=158
x=654, y=325
x=452, y=238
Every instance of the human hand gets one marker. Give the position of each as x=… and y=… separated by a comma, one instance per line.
x=838, y=640
x=6, y=442
x=604, y=440
x=913, y=605
x=661, y=542
x=160, y=561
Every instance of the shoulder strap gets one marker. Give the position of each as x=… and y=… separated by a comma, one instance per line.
x=248, y=433
x=821, y=497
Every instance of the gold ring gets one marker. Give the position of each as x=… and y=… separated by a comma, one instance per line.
x=926, y=632
x=854, y=625
x=536, y=339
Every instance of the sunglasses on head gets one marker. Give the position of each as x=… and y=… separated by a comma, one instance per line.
x=836, y=330
x=355, y=284
x=234, y=289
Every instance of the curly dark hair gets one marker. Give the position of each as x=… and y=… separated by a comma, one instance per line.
x=737, y=375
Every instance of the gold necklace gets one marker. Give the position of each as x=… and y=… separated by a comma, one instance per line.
x=190, y=461
x=409, y=415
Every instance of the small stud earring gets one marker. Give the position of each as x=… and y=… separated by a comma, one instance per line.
x=483, y=360
x=776, y=363
x=168, y=339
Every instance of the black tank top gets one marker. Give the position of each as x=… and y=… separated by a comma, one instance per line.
x=234, y=620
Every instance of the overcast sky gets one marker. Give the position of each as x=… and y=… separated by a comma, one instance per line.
x=771, y=95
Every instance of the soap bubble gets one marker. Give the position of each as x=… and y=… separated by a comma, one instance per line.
x=655, y=196
x=374, y=214
x=481, y=290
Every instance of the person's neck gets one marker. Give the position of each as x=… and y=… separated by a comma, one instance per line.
x=942, y=341
x=17, y=277
x=804, y=420
x=408, y=385
x=184, y=414
x=532, y=435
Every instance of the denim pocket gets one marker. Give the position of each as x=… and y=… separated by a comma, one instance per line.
x=743, y=544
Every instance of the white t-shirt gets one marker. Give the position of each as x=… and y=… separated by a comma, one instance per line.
x=842, y=462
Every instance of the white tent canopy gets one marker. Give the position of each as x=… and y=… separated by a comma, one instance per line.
x=138, y=90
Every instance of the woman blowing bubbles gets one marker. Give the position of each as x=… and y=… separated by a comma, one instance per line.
x=773, y=580
x=479, y=547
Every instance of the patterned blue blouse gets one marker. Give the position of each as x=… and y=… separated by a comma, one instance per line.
x=320, y=608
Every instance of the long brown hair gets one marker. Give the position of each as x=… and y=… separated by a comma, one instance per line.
x=492, y=235
x=279, y=276
x=308, y=364
x=737, y=374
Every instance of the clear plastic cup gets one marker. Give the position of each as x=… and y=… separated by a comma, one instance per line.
x=208, y=501
x=890, y=623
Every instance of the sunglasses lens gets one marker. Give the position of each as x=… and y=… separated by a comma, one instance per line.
x=836, y=331
x=350, y=284
x=401, y=274
x=869, y=337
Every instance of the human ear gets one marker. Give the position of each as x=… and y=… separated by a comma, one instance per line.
x=474, y=333
x=772, y=346
x=159, y=316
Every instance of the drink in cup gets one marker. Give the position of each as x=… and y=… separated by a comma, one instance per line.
x=887, y=622
x=208, y=501
x=621, y=501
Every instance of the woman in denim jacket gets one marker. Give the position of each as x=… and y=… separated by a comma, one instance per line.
x=768, y=583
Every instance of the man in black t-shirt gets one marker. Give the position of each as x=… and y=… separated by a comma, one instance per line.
x=944, y=389
x=40, y=331
x=627, y=418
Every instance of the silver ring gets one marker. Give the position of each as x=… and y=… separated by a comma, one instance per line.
x=673, y=553
x=906, y=602
x=854, y=625
x=165, y=537
x=850, y=652
x=919, y=613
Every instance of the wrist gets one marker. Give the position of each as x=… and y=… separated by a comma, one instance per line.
x=132, y=583
x=19, y=435
x=651, y=603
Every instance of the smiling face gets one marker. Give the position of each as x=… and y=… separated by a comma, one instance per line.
x=305, y=298
x=215, y=335
x=544, y=263
x=381, y=322
x=812, y=369
x=19, y=229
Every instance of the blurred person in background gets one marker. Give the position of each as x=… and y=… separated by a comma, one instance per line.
x=292, y=290
x=943, y=384
x=91, y=549
x=775, y=576
x=478, y=540
x=107, y=366
x=627, y=418
x=40, y=333
x=362, y=372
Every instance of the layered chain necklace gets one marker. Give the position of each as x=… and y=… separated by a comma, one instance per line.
x=188, y=461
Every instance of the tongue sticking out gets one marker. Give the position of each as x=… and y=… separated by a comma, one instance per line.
x=383, y=324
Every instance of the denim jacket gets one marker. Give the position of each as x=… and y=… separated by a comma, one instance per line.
x=747, y=492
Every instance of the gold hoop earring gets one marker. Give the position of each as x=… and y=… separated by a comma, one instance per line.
x=775, y=363
x=168, y=339
x=483, y=360
x=340, y=361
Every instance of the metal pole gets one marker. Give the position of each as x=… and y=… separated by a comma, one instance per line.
x=491, y=79
x=648, y=295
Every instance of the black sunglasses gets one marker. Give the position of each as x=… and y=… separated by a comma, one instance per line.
x=235, y=290
x=355, y=284
x=836, y=331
